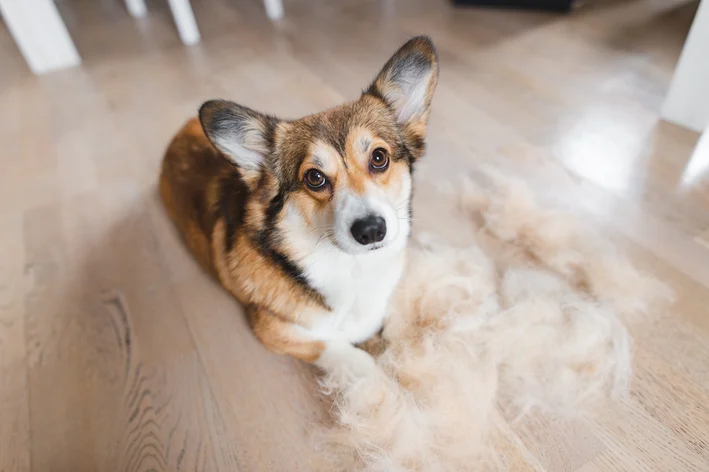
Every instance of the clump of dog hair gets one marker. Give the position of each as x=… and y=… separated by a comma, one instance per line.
x=470, y=332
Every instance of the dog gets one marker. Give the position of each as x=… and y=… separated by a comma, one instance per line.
x=306, y=221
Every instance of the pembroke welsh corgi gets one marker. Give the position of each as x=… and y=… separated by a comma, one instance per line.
x=306, y=221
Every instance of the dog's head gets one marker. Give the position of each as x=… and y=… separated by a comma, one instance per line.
x=344, y=174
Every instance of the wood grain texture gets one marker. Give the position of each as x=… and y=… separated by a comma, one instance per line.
x=117, y=353
x=14, y=398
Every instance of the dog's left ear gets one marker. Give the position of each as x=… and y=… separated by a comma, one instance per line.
x=407, y=82
x=241, y=134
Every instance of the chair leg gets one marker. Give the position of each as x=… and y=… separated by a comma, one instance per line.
x=136, y=8
x=40, y=34
x=274, y=9
x=687, y=101
x=184, y=19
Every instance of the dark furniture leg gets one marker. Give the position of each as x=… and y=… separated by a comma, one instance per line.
x=554, y=5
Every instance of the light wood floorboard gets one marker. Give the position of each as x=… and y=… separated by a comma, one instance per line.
x=118, y=354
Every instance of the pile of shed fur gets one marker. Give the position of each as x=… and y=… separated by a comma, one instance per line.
x=530, y=314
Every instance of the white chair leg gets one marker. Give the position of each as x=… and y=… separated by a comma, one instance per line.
x=687, y=102
x=274, y=9
x=136, y=8
x=40, y=34
x=184, y=19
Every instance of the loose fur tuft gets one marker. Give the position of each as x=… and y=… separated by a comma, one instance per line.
x=471, y=333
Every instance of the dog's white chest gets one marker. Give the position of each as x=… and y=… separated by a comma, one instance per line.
x=357, y=288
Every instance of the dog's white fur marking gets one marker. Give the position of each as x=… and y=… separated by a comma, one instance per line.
x=356, y=282
x=356, y=285
x=357, y=288
x=350, y=206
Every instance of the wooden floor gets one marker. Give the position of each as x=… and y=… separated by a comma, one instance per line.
x=118, y=354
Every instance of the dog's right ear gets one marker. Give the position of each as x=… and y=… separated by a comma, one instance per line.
x=407, y=82
x=240, y=133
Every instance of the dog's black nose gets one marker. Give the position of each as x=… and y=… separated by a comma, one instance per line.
x=369, y=230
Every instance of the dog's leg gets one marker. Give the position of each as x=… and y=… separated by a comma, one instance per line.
x=375, y=345
x=336, y=357
x=346, y=362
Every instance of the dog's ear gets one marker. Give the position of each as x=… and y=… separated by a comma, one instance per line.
x=242, y=134
x=407, y=82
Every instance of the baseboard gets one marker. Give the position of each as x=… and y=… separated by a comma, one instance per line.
x=553, y=5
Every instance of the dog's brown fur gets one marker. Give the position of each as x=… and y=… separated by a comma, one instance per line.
x=229, y=215
x=203, y=193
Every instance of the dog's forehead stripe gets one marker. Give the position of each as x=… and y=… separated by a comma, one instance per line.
x=365, y=142
x=361, y=138
x=343, y=156
x=340, y=143
x=324, y=156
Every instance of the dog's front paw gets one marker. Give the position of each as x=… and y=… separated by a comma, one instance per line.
x=375, y=345
x=341, y=359
x=361, y=364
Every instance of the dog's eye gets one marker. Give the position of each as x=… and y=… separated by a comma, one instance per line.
x=379, y=160
x=315, y=179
